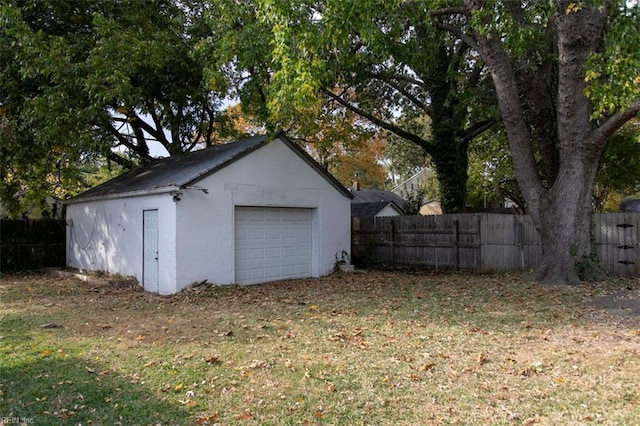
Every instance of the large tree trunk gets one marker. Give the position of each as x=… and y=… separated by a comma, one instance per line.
x=558, y=196
x=563, y=220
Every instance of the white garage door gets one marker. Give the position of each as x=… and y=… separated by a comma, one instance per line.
x=272, y=244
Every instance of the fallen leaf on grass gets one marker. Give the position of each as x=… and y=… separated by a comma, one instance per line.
x=212, y=417
x=189, y=403
x=426, y=367
x=213, y=359
x=51, y=325
x=64, y=413
x=178, y=387
x=244, y=416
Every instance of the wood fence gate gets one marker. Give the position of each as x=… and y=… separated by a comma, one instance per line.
x=616, y=242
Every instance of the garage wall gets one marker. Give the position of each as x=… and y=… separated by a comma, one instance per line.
x=107, y=236
x=272, y=176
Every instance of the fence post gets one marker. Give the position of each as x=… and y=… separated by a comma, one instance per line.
x=392, y=241
x=480, y=264
x=518, y=235
x=456, y=243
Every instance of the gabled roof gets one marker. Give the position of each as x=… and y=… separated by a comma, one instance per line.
x=373, y=208
x=416, y=181
x=375, y=196
x=177, y=172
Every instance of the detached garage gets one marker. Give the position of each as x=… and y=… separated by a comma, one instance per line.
x=247, y=212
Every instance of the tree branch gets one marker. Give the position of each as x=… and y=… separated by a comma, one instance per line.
x=458, y=33
x=122, y=139
x=405, y=93
x=118, y=159
x=616, y=121
x=505, y=83
x=402, y=77
x=159, y=134
x=477, y=129
x=447, y=11
x=378, y=122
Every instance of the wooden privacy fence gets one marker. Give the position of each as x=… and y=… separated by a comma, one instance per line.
x=31, y=244
x=484, y=241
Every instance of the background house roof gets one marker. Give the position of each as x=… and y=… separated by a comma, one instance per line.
x=372, y=209
x=183, y=170
x=375, y=196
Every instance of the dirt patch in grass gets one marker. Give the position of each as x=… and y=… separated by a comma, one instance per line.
x=364, y=348
x=621, y=299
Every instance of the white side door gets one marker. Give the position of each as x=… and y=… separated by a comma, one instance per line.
x=150, y=250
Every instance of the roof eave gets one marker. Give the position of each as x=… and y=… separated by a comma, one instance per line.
x=155, y=191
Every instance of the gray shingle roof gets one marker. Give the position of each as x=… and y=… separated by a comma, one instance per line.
x=183, y=170
x=375, y=196
x=176, y=171
x=371, y=209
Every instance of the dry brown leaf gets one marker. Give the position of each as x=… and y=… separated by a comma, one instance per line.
x=189, y=403
x=244, y=416
x=210, y=418
x=531, y=421
x=426, y=367
x=213, y=359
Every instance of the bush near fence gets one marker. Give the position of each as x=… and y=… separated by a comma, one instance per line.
x=31, y=244
x=484, y=242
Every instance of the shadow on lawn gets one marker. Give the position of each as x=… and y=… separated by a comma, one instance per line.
x=49, y=388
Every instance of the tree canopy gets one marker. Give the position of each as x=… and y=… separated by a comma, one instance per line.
x=100, y=78
x=383, y=61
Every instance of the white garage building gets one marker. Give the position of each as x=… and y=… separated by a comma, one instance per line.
x=246, y=212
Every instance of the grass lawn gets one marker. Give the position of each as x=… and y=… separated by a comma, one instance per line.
x=366, y=348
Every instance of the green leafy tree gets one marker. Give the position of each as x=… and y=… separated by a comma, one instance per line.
x=619, y=170
x=565, y=75
x=403, y=159
x=100, y=78
x=491, y=175
x=377, y=59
